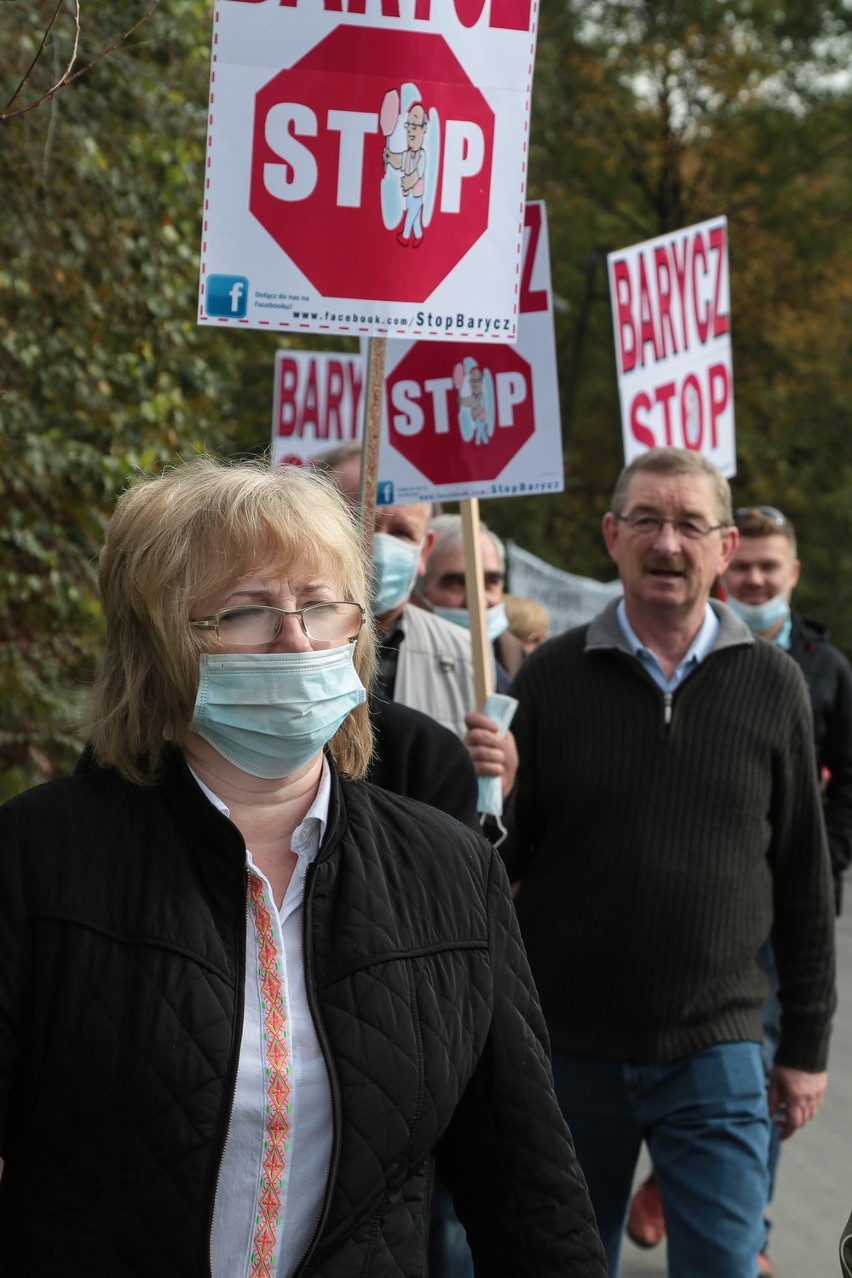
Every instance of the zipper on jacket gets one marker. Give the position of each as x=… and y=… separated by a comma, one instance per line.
x=238, y=1038
x=322, y=1039
x=667, y=713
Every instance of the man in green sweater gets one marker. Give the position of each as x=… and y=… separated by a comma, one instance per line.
x=666, y=816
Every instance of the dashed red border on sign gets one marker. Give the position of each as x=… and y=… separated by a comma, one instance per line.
x=376, y=329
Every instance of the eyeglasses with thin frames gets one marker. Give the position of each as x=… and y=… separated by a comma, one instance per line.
x=254, y=625
x=646, y=525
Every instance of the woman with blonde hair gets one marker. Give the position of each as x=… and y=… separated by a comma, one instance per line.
x=245, y=997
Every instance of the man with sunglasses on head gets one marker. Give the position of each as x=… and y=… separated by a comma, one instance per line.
x=666, y=816
x=759, y=584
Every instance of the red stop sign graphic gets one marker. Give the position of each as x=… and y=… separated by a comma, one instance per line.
x=318, y=163
x=460, y=417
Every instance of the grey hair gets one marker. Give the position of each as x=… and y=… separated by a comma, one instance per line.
x=674, y=461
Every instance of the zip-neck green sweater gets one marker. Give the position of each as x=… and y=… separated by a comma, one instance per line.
x=658, y=840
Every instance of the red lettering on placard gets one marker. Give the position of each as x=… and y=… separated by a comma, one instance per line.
x=288, y=381
x=531, y=299
x=664, y=395
x=640, y=431
x=682, y=412
x=505, y=15
x=310, y=402
x=721, y=319
x=647, y=331
x=702, y=324
x=719, y=379
x=680, y=278
x=511, y=15
x=469, y=12
x=624, y=311
x=668, y=340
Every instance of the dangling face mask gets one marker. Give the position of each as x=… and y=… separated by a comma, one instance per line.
x=761, y=617
x=496, y=621
x=268, y=713
x=394, y=570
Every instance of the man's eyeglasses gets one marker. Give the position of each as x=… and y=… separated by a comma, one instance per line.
x=768, y=512
x=648, y=525
x=253, y=625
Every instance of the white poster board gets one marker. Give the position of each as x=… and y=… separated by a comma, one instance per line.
x=671, y=312
x=569, y=598
x=366, y=166
x=317, y=404
x=468, y=421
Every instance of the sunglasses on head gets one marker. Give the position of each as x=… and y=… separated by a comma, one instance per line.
x=769, y=512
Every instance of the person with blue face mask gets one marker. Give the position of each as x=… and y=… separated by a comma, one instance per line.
x=759, y=583
x=443, y=590
x=252, y=996
x=758, y=586
x=425, y=661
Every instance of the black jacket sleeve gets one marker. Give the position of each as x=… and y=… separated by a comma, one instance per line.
x=508, y=1142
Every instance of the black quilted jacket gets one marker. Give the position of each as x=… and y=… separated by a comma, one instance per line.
x=122, y=937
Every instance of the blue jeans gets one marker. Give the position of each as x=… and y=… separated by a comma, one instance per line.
x=771, y=1017
x=706, y=1124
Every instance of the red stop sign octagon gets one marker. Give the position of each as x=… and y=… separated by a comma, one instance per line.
x=317, y=163
x=450, y=431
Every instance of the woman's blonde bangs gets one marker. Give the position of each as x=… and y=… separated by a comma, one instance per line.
x=182, y=536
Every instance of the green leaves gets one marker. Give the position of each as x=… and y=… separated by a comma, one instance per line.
x=646, y=116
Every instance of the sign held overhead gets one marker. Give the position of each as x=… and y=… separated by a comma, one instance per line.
x=366, y=166
x=672, y=326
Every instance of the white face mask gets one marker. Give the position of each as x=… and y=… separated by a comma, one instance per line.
x=760, y=617
x=394, y=570
x=496, y=621
x=268, y=713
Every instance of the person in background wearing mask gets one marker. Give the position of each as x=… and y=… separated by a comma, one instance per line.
x=442, y=589
x=666, y=818
x=424, y=661
x=758, y=586
x=246, y=997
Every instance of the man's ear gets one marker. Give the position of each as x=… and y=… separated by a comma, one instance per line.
x=610, y=533
x=425, y=551
x=729, y=542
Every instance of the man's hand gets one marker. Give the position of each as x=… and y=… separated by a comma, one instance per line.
x=492, y=755
x=794, y=1097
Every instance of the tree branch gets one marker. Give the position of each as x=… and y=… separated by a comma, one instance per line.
x=69, y=75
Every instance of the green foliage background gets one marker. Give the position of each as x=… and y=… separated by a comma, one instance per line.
x=646, y=117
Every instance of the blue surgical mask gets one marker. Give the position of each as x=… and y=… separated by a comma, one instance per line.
x=496, y=621
x=268, y=713
x=394, y=570
x=761, y=617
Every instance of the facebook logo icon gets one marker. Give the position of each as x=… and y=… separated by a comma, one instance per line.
x=227, y=296
x=384, y=493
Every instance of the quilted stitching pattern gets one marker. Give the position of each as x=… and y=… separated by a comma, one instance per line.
x=423, y=995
